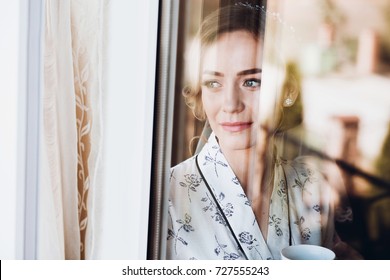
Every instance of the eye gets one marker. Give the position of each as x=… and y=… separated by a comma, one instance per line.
x=252, y=83
x=211, y=84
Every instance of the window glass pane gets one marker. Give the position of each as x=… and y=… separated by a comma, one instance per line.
x=281, y=129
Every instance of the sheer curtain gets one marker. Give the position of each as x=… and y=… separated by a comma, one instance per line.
x=72, y=129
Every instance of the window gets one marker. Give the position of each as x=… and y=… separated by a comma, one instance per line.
x=329, y=72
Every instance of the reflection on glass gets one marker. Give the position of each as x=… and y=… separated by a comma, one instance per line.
x=284, y=116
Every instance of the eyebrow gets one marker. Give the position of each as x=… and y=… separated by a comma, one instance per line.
x=241, y=73
x=213, y=73
x=249, y=71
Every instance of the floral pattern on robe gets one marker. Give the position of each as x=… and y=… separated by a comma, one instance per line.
x=210, y=216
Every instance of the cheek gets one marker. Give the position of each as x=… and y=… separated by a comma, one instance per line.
x=254, y=108
x=210, y=105
x=252, y=104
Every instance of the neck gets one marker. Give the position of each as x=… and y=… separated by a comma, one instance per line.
x=242, y=164
x=253, y=168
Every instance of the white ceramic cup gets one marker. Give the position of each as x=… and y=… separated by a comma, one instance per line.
x=307, y=252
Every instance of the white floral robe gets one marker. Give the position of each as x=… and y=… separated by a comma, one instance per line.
x=210, y=216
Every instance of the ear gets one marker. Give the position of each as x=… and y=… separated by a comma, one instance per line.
x=291, y=86
x=290, y=91
x=291, y=102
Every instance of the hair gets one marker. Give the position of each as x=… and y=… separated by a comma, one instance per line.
x=239, y=17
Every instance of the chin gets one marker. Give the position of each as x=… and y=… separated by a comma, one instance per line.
x=239, y=141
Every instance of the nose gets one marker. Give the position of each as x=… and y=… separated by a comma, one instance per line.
x=232, y=100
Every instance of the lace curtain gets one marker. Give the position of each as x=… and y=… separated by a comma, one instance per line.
x=72, y=129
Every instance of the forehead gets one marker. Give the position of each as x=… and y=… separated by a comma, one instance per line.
x=237, y=50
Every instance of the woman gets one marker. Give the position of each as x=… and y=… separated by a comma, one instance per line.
x=224, y=203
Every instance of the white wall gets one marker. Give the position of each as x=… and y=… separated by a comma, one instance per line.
x=129, y=94
x=12, y=18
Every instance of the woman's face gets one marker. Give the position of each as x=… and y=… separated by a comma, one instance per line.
x=230, y=80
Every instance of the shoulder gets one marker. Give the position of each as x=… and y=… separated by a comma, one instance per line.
x=183, y=175
x=186, y=185
x=306, y=174
x=185, y=167
x=307, y=166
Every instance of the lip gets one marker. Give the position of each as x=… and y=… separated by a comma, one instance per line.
x=236, y=126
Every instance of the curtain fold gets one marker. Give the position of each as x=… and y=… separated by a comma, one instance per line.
x=72, y=128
